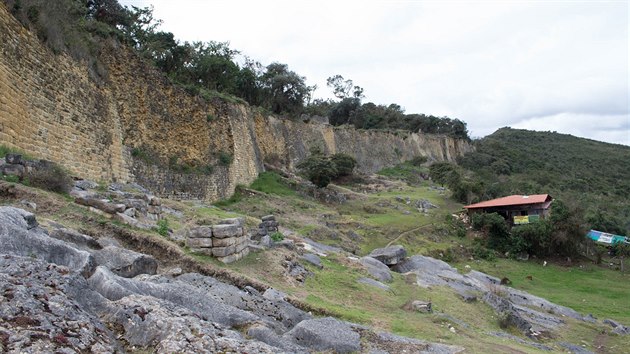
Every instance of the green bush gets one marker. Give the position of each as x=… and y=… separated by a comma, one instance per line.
x=344, y=163
x=481, y=252
x=418, y=160
x=495, y=228
x=12, y=178
x=318, y=169
x=50, y=176
x=162, y=227
x=277, y=236
x=225, y=158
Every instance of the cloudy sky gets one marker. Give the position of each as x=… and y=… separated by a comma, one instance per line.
x=540, y=65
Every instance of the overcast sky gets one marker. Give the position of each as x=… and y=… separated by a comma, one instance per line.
x=540, y=65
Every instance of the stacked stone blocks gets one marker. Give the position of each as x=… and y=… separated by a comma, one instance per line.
x=226, y=240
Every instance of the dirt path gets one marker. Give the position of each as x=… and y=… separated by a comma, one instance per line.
x=407, y=232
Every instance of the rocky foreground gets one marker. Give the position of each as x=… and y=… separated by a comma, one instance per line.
x=64, y=292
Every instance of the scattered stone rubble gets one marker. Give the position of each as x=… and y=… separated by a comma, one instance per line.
x=138, y=209
x=59, y=297
x=15, y=165
x=227, y=240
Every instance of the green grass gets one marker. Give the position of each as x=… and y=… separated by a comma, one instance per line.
x=406, y=171
x=271, y=183
x=591, y=289
x=4, y=150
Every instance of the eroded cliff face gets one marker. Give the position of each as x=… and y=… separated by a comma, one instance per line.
x=135, y=126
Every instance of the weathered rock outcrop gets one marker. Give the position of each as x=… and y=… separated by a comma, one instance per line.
x=136, y=126
x=52, y=307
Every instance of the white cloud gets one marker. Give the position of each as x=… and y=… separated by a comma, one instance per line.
x=489, y=63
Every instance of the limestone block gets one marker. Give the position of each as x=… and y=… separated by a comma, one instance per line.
x=206, y=251
x=223, y=251
x=268, y=218
x=241, y=246
x=199, y=242
x=229, y=241
x=223, y=231
x=234, y=257
x=232, y=221
x=201, y=232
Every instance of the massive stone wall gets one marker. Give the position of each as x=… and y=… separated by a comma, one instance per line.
x=51, y=109
x=133, y=125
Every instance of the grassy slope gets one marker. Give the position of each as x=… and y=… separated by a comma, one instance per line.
x=378, y=219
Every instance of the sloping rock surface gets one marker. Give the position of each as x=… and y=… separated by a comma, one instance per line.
x=57, y=297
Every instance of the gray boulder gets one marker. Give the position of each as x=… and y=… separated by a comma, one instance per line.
x=269, y=336
x=19, y=235
x=114, y=288
x=374, y=283
x=274, y=310
x=424, y=263
x=314, y=260
x=80, y=240
x=47, y=308
x=124, y=262
x=389, y=255
x=325, y=334
x=618, y=327
x=377, y=269
x=163, y=327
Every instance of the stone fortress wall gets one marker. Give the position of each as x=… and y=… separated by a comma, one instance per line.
x=132, y=124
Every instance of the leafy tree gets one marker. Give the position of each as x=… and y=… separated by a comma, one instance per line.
x=343, y=111
x=343, y=89
x=495, y=228
x=285, y=91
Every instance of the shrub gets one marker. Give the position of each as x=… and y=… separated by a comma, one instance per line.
x=277, y=236
x=12, y=178
x=50, y=176
x=480, y=252
x=344, y=163
x=418, y=160
x=495, y=228
x=162, y=227
x=225, y=158
x=318, y=169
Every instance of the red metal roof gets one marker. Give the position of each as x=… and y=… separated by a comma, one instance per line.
x=511, y=200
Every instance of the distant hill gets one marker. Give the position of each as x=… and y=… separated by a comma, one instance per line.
x=593, y=174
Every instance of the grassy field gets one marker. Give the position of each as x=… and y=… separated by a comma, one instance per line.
x=585, y=288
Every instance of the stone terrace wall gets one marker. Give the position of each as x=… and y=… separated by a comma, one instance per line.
x=51, y=109
x=135, y=126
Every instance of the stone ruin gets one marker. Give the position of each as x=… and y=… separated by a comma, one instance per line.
x=226, y=240
x=267, y=226
x=15, y=165
x=140, y=210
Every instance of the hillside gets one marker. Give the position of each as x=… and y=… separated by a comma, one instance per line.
x=133, y=278
x=591, y=174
